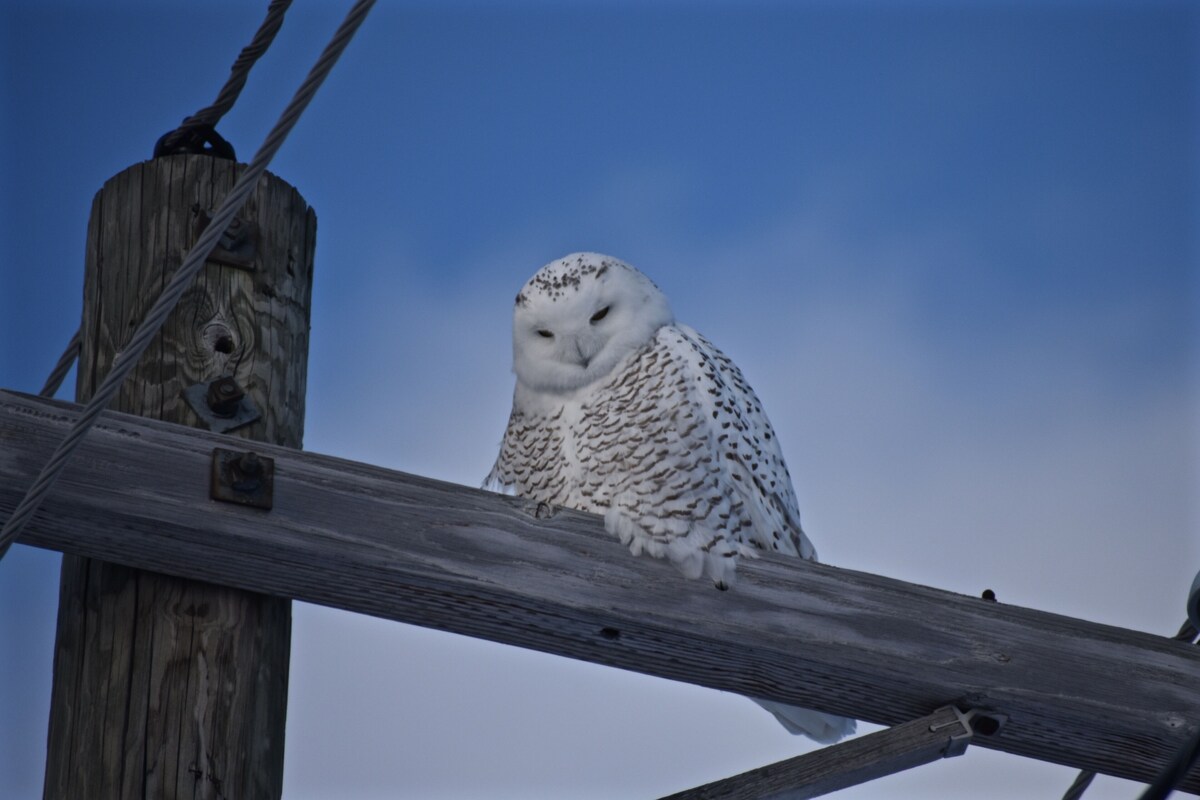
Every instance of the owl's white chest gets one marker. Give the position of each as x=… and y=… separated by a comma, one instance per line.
x=570, y=421
x=575, y=449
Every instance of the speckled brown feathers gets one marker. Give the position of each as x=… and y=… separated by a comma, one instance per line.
x=673, y=448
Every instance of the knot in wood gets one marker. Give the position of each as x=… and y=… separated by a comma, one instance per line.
x=219, y=338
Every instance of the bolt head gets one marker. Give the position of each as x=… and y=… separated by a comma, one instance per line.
x=223, y=396
x=250, y=464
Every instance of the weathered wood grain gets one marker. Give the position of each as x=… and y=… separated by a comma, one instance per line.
x=379, y=542
x=253, y=325
x=831, y=769
x=167, y=687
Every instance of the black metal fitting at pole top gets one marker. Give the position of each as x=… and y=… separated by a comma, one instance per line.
x=199, y=140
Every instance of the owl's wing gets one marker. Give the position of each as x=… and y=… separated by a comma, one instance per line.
x=739, y=434
x=502, y=479
x=493, y=483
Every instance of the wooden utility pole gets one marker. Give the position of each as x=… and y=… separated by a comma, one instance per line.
x=165, y=687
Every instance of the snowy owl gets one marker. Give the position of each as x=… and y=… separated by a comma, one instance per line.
x=621, y=411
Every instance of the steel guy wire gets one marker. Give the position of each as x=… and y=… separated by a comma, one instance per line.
x=65, y=362
x=238, y=73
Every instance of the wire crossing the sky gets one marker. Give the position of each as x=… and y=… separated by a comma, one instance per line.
x=65, y=362
x=194, y=130
x=128, y=358
x=191, y=133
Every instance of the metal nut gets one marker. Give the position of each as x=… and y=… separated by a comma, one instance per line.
x=245, y=478
x=224, y=396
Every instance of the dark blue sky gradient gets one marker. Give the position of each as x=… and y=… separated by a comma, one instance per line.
x=953, y=245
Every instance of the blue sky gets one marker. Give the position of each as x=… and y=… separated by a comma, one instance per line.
x=953, y=246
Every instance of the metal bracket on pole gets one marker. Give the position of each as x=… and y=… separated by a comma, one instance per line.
x=245, y=478
x=238, y=246
x=986, y=724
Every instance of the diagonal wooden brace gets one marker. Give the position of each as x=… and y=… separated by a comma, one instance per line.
x=943, y=734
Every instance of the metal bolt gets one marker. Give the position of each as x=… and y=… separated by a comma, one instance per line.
x=247, y=472
x=223, y=397
x=249, y=464
x=242, y=477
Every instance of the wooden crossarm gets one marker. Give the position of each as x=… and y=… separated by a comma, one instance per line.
x=380, y=542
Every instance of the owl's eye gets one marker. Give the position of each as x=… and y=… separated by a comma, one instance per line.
x=601, y=314
x=545, y=334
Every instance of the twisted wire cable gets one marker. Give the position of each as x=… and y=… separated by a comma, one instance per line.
x=205, y=117
x=65, y=362
x=208, y=116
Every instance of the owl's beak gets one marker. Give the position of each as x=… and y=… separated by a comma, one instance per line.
x=585, y=352
x=584, y=358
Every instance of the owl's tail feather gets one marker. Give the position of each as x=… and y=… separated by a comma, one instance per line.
x=821, y=727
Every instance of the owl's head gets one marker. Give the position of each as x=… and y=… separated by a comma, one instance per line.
x=578, y=317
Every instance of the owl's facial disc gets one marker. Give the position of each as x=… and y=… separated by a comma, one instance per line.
x=579, y=317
